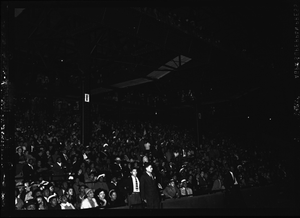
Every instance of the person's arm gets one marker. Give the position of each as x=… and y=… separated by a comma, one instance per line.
x=165, y=192
x=142, y=188
x=84, y=205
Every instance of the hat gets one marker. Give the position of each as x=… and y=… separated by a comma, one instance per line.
x=87, y=190
x=92, y=172
x=50, y=197
x=17, y=148
x=118, y=159
x=147, y=164
x=44, y=183
x=31, y=201
x=111, y=191
x=171, y=180
x=34, y=184
x=101, y=175
x=19, y=184
x=183, y=180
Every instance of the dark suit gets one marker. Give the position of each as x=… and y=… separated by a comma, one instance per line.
x=28, y=173
x=149, y=191
x=228, y=181
x=117, y=170
x=233, y=195
x=58, y=172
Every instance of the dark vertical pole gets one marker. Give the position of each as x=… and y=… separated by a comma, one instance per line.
x=198, y=117
x=197, y=126
x=84, y=64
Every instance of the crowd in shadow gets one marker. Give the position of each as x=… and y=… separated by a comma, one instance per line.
x=55, y=171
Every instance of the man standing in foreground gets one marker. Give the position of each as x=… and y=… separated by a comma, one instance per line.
x=150, y=188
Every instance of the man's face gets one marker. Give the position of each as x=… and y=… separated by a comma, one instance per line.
x=39, y=200
x=149, y=169
x=54, y=201
x=114, y=195
x=38, y=193
x=70, y=191
x=134, y=172
x=82, y=189
x=92, y=176
x=31, y=207
x=64, y=199
x=46, y=192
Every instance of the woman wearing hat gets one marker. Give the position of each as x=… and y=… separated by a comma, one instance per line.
x=31, y=204
x=89, y=201
x=113, y=200
x=101, y=198
x=171, y=191
x=53, y=202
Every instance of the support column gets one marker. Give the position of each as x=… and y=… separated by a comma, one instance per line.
x=85, y=95
x=198, y=118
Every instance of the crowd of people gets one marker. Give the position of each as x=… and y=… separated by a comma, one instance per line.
x=55, y=171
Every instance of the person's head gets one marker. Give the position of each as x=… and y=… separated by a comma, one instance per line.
x=46, y=192
x=39, y=199
x=101, y=194
x=114, y=179
x=37, y=192
x=89, y=193
x=92, y=175
x=148, y=167
x=134, y=172
x=101, y=177
x=58, y=159
x=82, y=189
x=31, y=204
x=30, y=161
x=172, y=183
x=47, y=153
x=65, y=185
x=64, y=198
x=20, y=186
x=202, y=173
x=113, y=195
x=19, y=150
x=145, y=159
x=183, y=183
x=70, y=191
x=51, y=188
x=53, y=200
x=39, y=163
